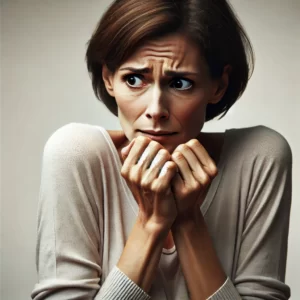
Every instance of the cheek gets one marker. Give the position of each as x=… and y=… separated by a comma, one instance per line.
x=128, y=107
x=192, y=119
x=195, y=112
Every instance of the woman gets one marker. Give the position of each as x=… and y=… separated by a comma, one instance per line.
x=162, y=210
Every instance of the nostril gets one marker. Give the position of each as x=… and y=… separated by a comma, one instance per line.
x=157, y=116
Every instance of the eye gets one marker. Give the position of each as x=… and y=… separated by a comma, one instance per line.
x=133, y=80
x=181, y=84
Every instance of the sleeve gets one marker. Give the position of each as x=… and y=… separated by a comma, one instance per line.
x=70, y=221
x=261, y=267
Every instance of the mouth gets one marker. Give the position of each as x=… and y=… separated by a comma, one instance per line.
x=158, y=136
x=158, y=133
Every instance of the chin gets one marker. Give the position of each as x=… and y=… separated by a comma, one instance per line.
x=170, y=147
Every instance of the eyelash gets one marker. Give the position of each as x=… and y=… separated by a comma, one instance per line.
x=127, y=76
x=141, y=77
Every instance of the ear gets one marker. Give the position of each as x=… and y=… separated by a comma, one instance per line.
x=221, y=85
x=107, y=76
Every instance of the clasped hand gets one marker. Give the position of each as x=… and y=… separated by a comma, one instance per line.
x=167, y=186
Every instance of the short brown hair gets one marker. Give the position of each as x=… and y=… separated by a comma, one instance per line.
x=212, y=24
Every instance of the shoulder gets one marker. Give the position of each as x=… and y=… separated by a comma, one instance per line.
x=75, y=140
x=259, y=142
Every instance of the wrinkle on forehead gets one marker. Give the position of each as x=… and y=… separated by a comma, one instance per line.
x=169, y=57
x=173, y=53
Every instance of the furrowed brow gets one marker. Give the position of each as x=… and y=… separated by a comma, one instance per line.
x=169, y=73
x=178, y=74
x=137, y=70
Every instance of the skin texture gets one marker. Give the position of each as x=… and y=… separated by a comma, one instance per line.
x=158, y=100
x=170, y=92
x=154, y=103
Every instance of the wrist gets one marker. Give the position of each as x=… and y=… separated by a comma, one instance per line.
x=188, y=220
x=153, y=228
x=141, y=254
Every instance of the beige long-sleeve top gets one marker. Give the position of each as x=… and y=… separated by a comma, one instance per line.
x=86, y=212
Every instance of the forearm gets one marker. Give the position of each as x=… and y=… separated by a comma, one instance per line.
x=198, y=259
x=141, y=254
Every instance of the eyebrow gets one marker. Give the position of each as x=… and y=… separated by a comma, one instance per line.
x=167, y=72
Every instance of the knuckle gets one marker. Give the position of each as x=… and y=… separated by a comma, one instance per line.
x=158, y=187
x=206, y=178
x=182, y=147
x=164, y=153
x=135, y=181
x=140, y=138
x=213, y=170
x=197, y=185
x=193, y=143
x=145, y=184
x=143, y=140
x=185, y=192
x=171, y=166
x=155, y=145
x=134, y=178
x=177, y=155
x=124, y=172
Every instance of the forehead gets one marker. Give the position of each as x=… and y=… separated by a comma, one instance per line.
x=173, y=51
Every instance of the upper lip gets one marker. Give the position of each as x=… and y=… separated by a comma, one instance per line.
x=159, y=132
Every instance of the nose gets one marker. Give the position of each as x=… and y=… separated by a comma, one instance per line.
x=157, y=108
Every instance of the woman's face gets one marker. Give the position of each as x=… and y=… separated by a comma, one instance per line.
x=164, y=86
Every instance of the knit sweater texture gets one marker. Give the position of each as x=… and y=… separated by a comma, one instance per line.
x=86, y=212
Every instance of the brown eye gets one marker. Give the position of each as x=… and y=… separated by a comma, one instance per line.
x=181, y=84
x=134, y=81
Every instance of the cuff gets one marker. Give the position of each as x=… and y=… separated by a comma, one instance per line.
x=118, y=285
x=226, y=292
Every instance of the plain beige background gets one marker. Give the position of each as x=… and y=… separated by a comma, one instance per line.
x=45, y=85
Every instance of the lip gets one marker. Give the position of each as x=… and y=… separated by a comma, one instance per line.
x=153, y=135
x=157, y=133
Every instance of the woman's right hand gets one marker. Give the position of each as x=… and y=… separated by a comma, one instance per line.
x=148, y=172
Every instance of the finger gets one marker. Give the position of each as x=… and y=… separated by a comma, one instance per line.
x=202, y=155
x=136, y=150
x=157, y=164
x=144, y=157
x=164, y=170
x=154, y=152
x=183, y=166
x=167, y=172
x=125, y=151
x=160, y=158
x=195, y=166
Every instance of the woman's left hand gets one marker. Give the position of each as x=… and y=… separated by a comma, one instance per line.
x=196, y=172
